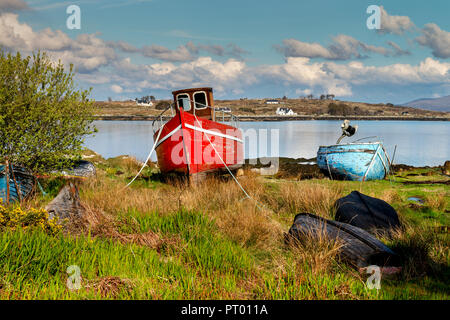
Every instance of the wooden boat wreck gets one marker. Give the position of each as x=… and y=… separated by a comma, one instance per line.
x=194, y=142
x=357, y=247
x=16, y=183
x=354, y=161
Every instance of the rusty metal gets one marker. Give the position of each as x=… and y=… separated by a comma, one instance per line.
x=206, y=113
x=354, y=150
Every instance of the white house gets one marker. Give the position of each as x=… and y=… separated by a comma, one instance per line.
x=223, y=109
x=149, y=104
x=272, y=101
x=285, y=112
x=144, y=102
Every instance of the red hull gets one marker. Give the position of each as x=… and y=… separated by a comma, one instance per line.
x=191, y=145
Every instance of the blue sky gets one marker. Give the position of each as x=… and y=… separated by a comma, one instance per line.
x=126, y=49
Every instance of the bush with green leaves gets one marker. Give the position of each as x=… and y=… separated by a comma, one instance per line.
x=43, y=117
x=339, y=109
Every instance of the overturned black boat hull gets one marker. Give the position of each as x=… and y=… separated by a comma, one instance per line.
x=371, y=214
x=359, y=248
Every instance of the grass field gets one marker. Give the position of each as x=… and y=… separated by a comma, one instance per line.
x=157, y=240
x=257, y=107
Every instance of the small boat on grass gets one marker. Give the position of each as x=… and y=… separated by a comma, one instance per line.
x=193, y=142
x=354, y=161
x=79, y=169
x=357, y=247
x=16, y=183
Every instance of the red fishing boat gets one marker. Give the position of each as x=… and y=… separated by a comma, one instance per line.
x=196, y=140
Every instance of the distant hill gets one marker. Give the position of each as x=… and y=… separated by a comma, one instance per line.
x=436, y=104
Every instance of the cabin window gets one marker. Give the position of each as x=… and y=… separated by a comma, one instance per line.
x=184, y=102
x=200, y=100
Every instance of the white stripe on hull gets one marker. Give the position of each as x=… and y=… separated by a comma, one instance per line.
x=168, y=135
x=214, y=133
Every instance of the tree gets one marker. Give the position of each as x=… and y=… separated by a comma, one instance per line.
x=43, y=118
x=339, y=109
x=162, y=105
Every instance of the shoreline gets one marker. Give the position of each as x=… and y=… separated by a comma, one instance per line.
x=245, y=118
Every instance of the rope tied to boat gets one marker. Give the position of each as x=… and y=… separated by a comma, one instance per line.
x=148, y=157
x=229, y=170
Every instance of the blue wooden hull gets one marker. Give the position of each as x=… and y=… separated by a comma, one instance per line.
x=25, y=183
x=354, y=161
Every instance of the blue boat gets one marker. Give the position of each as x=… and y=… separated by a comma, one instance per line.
x=354, y=161
x=16, y=183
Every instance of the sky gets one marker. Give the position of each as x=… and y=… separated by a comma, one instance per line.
x=246, y=48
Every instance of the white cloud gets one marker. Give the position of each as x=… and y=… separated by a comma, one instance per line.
x=394, y=24
x=116, y=88
x=300, y=71
x=181, y=53
x=231, y=50
x=398, y=51
x=303, y=91
x=87, y=52
x=343, y=47
x=428, y=71
x=99, y=64
x=13, y=5
x=236, y=77
x=296, y=48
x=437, y=39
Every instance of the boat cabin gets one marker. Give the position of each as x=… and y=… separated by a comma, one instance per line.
x=198, y=101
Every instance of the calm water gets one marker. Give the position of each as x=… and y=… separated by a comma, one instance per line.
x=418, y=143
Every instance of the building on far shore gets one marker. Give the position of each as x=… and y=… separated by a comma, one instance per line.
x=144, y=102
x=272, y=101
x=223, y=109
x=285, y=112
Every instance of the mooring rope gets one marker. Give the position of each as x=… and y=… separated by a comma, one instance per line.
x=40, y=188
x=229, y=171
x=148, y=158
x=215, y=150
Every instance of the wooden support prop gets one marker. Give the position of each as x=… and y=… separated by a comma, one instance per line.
x=7, y=180
x=19, y=193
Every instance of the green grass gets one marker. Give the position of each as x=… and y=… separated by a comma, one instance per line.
x=201, y=259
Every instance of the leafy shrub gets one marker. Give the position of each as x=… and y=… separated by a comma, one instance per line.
x=16, y=217
x=43, y=118
x=358, y=111
x=339, y=109
x=162, y=105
